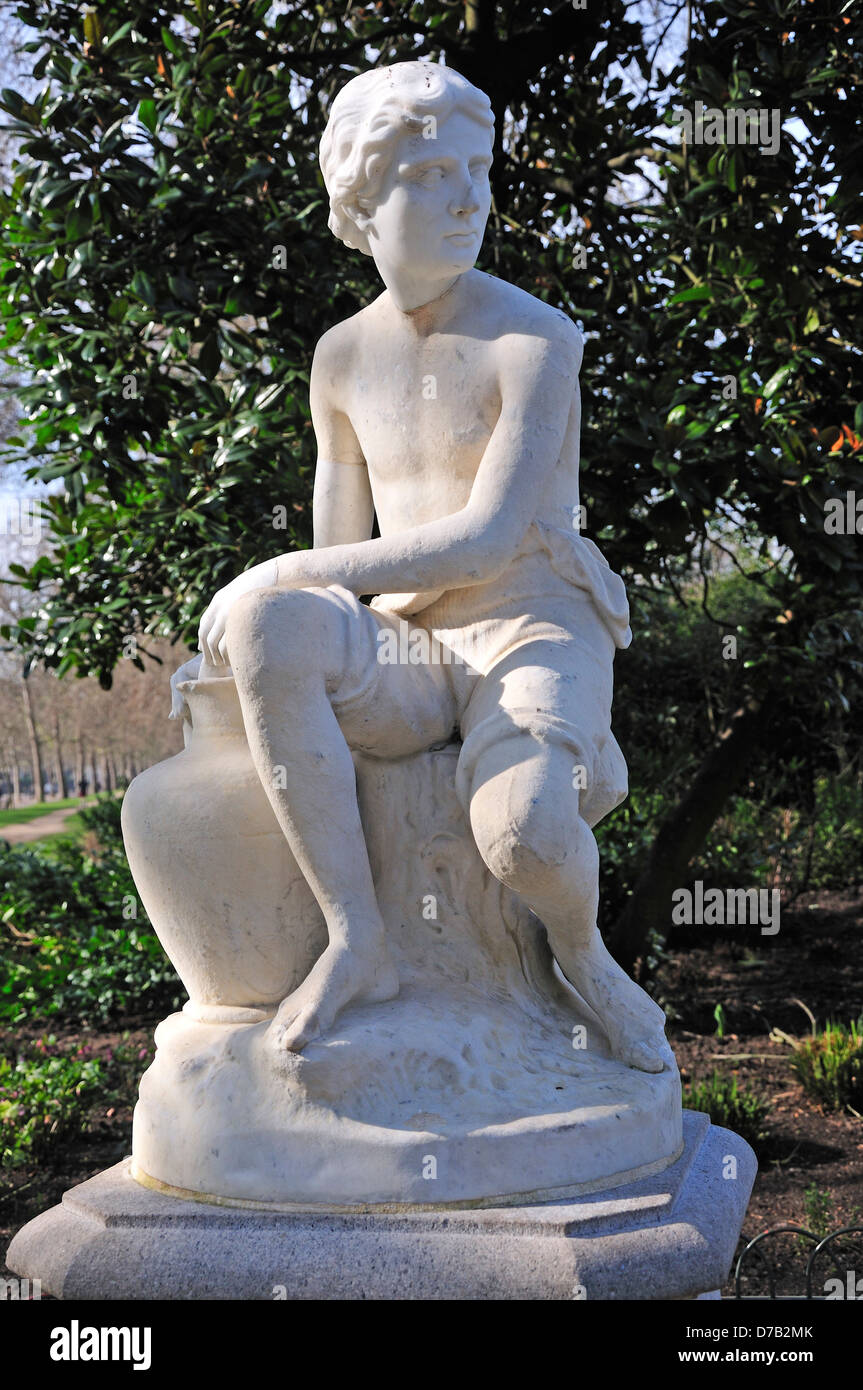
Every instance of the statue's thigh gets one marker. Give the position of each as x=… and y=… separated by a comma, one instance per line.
x=388, y=705
x=544, y=697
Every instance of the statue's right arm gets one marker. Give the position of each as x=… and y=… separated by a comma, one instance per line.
x=343, y=510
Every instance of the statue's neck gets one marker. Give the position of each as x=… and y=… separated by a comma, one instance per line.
x=424, y=304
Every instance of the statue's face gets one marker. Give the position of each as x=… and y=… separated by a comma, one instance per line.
x=434, y=199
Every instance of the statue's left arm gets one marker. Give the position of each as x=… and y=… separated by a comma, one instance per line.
x=536, y=378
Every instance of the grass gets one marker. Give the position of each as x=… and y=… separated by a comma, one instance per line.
x=829, y=1066
x=18, y=815
x=731, y=1106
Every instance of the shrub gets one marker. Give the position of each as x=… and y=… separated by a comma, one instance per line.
x=111, y=972
x=820, y=1212
x=738, y=849
x=829, y=1066
x=43, y=1104
x=624, y=839
x=76, y=938
x=47, y=1098
x=837, y=851
x=742, y=1110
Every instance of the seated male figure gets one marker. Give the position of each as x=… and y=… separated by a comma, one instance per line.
x=449, y=408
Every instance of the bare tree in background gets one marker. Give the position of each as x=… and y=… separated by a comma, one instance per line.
x=69, y=737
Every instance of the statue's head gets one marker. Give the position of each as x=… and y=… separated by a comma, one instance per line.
x=405, y=159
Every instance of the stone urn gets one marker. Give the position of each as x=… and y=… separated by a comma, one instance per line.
x=214, y=871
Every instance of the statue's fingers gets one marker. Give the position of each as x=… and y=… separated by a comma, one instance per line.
x=214, y=636
x=223, y=650
x=204, y=641
x=204, y=632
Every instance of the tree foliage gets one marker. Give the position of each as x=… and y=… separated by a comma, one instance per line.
x=172, y=152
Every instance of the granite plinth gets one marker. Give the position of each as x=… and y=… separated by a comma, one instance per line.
x=670, y=1236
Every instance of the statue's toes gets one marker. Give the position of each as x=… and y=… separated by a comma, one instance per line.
x=302, y=1030
x=642, y=1057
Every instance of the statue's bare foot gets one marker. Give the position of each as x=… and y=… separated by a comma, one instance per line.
x=341, y=976
x=633, y=1022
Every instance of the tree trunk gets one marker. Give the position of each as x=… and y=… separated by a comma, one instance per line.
x=80, y=766
x=683, y=833
x=14, y=774
x=479, y=62
x=33, y=738
x=61, y=771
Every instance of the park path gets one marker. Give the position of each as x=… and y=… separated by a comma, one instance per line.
x=51, y=824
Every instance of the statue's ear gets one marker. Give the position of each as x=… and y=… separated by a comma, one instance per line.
x=360, y=216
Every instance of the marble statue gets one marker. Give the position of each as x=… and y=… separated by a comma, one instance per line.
x=465, y=713
x=450, y=408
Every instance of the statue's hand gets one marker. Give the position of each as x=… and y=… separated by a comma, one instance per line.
x=187, y=672
x=211, y=634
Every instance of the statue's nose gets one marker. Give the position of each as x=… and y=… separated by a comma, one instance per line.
x=466, y=201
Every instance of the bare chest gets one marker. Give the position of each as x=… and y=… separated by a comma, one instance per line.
x=425, y=410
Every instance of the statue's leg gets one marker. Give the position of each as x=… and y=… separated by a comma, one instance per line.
x=311, y=687
x=525, y=776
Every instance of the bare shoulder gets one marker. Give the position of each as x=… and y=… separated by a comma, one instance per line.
x=528, y=330
x=335, y=353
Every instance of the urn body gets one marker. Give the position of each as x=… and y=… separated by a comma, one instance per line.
x=214, y=871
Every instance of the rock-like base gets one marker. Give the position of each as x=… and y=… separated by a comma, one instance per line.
x=398, y=1105
x=670, y=1236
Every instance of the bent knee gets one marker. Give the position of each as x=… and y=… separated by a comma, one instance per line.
x=285, y=629
x=530, y=855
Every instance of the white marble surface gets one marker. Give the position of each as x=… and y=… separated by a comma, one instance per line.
x=340, y=1033
x=472, y=1065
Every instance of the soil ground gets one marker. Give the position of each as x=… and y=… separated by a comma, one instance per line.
x=811, y=1164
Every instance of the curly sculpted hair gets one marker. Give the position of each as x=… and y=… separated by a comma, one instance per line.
x=367, y=118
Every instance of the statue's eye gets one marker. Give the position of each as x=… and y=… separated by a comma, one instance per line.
x=431, y=175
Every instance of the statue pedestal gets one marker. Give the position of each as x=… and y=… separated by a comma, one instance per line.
x=670, y=1236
